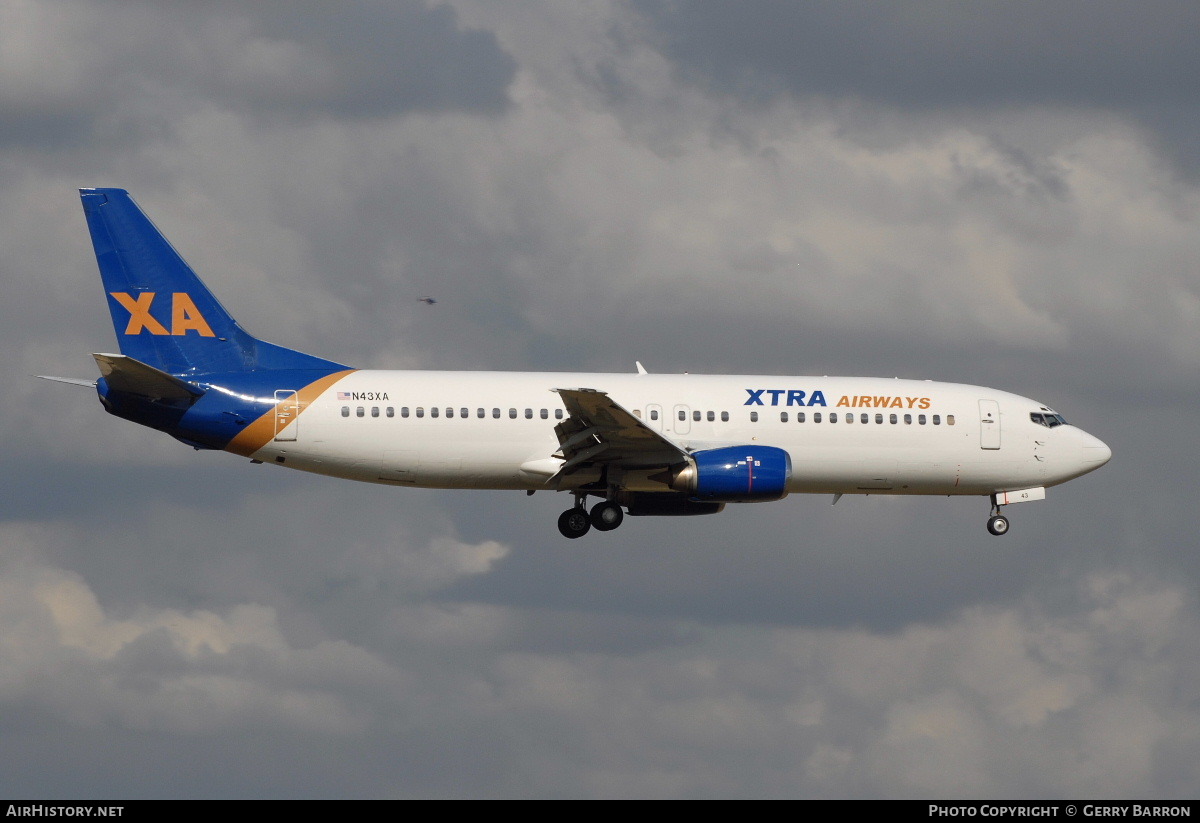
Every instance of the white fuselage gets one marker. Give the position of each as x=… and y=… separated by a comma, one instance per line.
x=845, y=435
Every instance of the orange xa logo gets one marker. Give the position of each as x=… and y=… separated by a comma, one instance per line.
x=184, y=314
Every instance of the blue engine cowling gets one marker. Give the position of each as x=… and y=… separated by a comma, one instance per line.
x=736, y=474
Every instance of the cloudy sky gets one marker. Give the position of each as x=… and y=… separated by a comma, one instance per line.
x=992, y=193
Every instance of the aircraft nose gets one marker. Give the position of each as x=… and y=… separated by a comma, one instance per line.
x=1095, y=452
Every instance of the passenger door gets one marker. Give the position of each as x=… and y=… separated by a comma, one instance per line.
x=287, y=409
x=989, y=424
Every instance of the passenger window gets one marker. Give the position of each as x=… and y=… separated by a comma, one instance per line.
x=866, y=418
x=683, y=416
x=404, y=411
x=464, y=412
x=544, y=414
x=529, y=414
x=712, y=416
x=893, y=419
x=908, y=419
x=480, y=413
x=391, y=411
x=696, y=416
x=937, y=420
x=420, y=411
x=345, y=411
x=949, y=420
x=816, y=417
x=753, y=417
x=496, y=413
x=833, y=417
x=921, y=419
x=849, y=417
x=558, y=414
x=360, y=411
x=878, y=419
x=449, y=412
x=799, y=417
x=724, y=417
x=434, y=411
x=654, y=414
x=512, y=414
x=783, y=417
x=374, y=411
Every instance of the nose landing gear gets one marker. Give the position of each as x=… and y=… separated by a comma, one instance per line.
x=997, y=523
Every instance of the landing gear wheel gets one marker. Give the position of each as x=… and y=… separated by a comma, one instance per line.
x=574, y=523
x=606, y=516
x=997, y=524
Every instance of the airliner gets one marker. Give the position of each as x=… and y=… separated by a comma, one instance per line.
x=643, y=444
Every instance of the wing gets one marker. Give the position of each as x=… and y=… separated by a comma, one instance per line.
x=599, y=431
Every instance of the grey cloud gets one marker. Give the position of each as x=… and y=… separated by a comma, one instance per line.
x=1083, y=703
x=930, y=54
x=110, y=72
x=1135, y=59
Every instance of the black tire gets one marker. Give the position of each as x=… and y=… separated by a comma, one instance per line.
x=606, y=516
x=998, y=525
x=574, y=523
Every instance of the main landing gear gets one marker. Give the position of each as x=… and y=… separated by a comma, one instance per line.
x=576, y=521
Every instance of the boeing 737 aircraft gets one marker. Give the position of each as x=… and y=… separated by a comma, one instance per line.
x=644, y=444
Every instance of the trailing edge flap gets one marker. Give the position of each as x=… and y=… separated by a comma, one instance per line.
x=600, y=430
x=125, y=374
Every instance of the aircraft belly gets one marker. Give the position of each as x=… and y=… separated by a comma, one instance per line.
x=455, y=468
x=909, y=472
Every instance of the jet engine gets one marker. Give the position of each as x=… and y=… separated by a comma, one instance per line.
x=736, y=474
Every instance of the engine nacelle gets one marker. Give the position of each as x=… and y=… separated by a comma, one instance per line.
x=736, y=474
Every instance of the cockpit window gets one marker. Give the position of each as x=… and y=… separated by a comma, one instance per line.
x=1048, y=419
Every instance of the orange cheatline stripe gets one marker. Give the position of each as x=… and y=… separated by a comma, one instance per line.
x=262, y=431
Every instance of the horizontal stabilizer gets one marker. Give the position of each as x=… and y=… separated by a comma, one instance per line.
x=125, y=374
x=74, y=381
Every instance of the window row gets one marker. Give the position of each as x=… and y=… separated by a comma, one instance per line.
x=864, y=418
x=450, y=411
x=696, y=415
x=545, y=414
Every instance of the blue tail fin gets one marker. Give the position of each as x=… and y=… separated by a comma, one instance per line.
x=163, y=315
